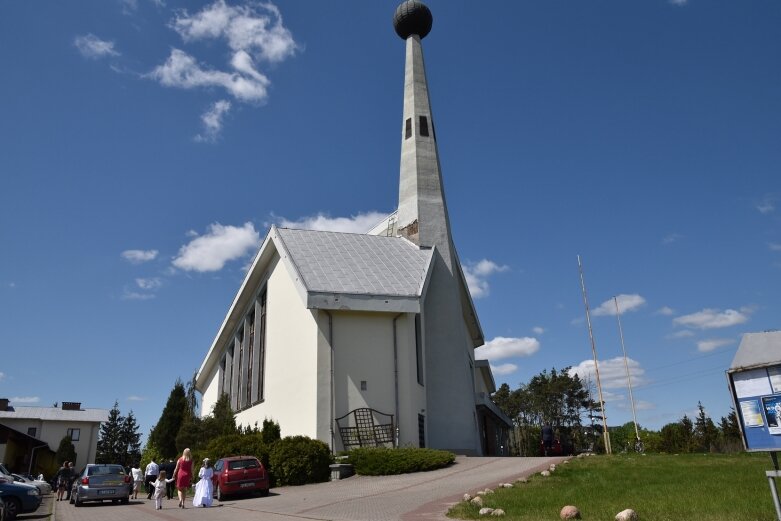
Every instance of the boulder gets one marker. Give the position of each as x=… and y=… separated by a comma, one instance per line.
x=467, y=497
x=569, y=512
x=507, y=485
x=498, y=512
x=477, y=501
x=486, y=511
x=521, y=480
x=545, y=473
x=626, y=515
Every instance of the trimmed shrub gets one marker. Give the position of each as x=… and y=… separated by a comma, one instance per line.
x=298, y=460
x=381, y=461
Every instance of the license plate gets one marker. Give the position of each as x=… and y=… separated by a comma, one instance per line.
x=246, y=485
x=106, y=492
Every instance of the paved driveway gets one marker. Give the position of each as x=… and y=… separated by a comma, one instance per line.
x=408, y=497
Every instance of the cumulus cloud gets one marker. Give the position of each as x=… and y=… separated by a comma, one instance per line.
x=612, y=372
x=712, y=344
x=24, y=399
x=774, y=246
x=503, y=369
x=139, y=256
x=684, y=333
x=538, y=330
x=503, y=347
x=710, y=318
x=477, y=274
x=183, y=71
x=360, y=223
x=253, y=33
x=134, y=398
x=626, y=303
x=666, y=311
x=149, y=284
x=255, y=28
x=767, y=204
x=212, y=121
x=219, y=245
x=92, y=47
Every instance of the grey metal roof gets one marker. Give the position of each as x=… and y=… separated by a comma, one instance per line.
x=758, y=349
x=356, y=264
x=56, y=414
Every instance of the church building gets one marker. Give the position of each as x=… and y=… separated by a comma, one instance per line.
x=336, y=335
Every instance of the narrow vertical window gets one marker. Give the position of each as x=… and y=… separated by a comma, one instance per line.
x=418, y=349
x=262, y=346
x=250, y=354
x=241, y=369
x=408, y=128
x=421, y=431
x=423, y=126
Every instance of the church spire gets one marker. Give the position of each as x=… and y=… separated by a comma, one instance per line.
x=422, y=214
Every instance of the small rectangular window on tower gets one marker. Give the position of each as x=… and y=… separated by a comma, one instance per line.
x=363, y=385
x=408, y=128
x=423, y=126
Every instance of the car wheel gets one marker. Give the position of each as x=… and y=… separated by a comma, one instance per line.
x=12, y=507
x=220, y=494
x=71, y=499
x=264, y=492
x=77, y=501
x=125, y=500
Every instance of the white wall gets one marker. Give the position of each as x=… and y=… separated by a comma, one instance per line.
x=53, y=431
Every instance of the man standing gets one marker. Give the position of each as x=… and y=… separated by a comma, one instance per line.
x=169, y=468
x=150, y=476
x=71, y=478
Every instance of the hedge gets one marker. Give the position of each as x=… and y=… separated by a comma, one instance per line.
x=298, y=460
x=380, y=461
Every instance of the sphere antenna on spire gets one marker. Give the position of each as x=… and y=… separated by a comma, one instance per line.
x=412, y=17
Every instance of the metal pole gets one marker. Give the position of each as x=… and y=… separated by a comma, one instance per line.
x=626, y=366
x=605, y=433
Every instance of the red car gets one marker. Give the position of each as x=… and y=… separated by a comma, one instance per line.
x=239, y=475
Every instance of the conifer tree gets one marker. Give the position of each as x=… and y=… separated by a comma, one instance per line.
x=110, y=438
x=130, y=440
x=66, y=451
x=163, y=435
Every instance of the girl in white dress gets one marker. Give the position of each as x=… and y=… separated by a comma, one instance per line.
x=203, y=489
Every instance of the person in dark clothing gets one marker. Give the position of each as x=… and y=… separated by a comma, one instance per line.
x=71, y=478
x=547, y=438
x=169, y=468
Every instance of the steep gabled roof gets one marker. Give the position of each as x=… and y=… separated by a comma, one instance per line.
x=355, y=271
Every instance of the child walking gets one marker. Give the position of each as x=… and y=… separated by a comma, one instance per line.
x=158, y=489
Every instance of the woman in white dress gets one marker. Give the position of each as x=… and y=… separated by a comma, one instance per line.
x=203, y=489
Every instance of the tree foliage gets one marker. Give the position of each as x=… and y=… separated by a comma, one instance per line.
x=130, y=439
x=163, y=434
x=66, y=451
x=110, y=447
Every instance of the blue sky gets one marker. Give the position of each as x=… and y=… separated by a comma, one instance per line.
x=147, y=146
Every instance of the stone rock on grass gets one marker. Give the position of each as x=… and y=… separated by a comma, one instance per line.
x=521, y=480
x=498, y=512
x=467, y=497
x=626, y=515
x=552, y=468
x=545, y=473
x=569, y=512
x=477, y=501
x=506, y=485
x=486, y=511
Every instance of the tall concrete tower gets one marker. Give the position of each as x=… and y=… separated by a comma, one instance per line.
x=450, y=330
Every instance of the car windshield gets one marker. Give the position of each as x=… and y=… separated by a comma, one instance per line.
x=102, y=470
x=242, y=464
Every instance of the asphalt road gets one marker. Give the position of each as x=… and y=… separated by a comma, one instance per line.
x=423, y=496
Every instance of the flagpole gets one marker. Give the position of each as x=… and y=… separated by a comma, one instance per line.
x=626, y=366
x=605, y=433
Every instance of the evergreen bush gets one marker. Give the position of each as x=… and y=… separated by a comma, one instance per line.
x=381, y=461
x=298, y=460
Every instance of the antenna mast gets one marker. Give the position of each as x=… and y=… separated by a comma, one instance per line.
x=626, y=366
x=605, y=433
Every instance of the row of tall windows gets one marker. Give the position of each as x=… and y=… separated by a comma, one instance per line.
x=242, y=367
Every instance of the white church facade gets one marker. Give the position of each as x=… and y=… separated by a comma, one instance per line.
x=327, y=323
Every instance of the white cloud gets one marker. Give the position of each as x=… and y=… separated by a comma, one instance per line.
x=666, y=311
x=360, y=223
x=503, y=369
x=713, y=318
x=774, y=246
x=221, y=244
x=92, y=47
x=139, y=256
x=476, y=275
x=612, y=372
x=679, y=2
x=503, y=347
x=712, y=344
x=685, y=333
x=538, y=330
x=671, y=238
x=149, y=284
x=183, y=71
x=134, y=295
x=2, y=376
x=626, y=303
x=212, y=121
x=134, y=398
x=767, y=204
x=255, y=28
x=24, y=399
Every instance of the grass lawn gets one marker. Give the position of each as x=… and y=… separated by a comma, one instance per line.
x=659, y=487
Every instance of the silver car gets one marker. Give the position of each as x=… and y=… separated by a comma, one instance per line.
x=101, y=482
